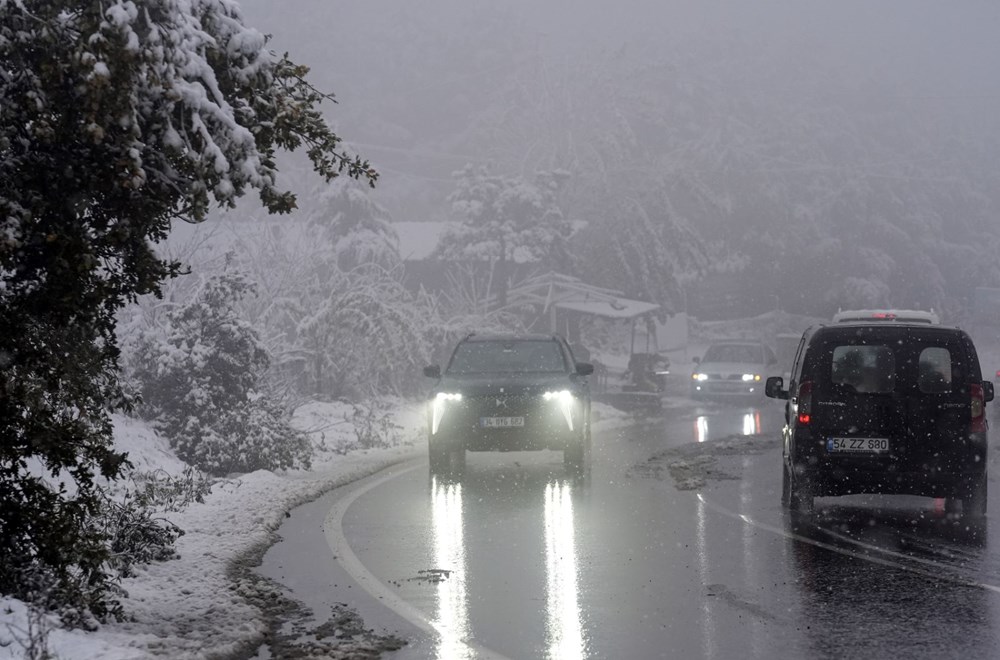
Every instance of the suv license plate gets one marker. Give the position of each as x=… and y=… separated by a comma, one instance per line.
x=857, y=445
x=501, y=422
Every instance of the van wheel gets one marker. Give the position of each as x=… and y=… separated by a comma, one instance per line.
x=786, y=486
x=974, y=505
x=952, y=506
x=800, y=495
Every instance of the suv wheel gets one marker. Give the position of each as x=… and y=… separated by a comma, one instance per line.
x=573, y=456
x=459, y=461
x=437, y=454
x=577, y=455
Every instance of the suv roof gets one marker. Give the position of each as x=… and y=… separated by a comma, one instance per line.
x=886, y=316
x=747, y=342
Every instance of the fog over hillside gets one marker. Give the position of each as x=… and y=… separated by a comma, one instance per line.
x=774, y=131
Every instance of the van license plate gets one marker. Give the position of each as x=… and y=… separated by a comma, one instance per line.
x=857, y=445
x=501, y=422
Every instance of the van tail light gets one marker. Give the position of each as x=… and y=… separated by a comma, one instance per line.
x=805, y=402
x=978, y=408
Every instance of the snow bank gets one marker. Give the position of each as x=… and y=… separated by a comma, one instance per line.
x=189, y=607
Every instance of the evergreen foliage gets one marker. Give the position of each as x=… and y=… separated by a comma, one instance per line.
x=116, y=118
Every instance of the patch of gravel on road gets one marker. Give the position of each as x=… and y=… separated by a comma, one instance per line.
x=693, y=465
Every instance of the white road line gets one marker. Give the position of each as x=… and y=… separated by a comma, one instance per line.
x=333, y=530
x=958, y=579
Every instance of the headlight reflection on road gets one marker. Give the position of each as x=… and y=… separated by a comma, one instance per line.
x=452, y=621
x=751, y=423
x=701, y=428
x=564, y=628
x=708, y=628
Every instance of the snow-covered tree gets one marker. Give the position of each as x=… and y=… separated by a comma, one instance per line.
x=642, y=248
x=359, y=229
x=506, y=219
x=117, y=117
x=202, y=383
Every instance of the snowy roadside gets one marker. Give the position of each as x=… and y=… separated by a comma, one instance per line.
x=192, y=607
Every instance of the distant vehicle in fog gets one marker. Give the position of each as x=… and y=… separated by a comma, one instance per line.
x=647, y=372
x=733, y=369
x=509, y=393
x=891, y=408
x=887, y=315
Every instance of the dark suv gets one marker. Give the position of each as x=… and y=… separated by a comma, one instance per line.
x=885, y=408
x=509, y=393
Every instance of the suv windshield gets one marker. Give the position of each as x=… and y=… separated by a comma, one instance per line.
x=507, y=357
x=734, y=353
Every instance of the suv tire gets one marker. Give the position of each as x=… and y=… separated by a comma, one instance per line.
x=577, y=455
x=437, y=455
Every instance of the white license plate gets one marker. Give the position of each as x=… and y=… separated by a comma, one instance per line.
x=501, y=422
x=857, y=445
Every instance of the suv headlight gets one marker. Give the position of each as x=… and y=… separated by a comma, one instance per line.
x=699, y=377
x=565, y=400
x=441, y=400
x=751, y=377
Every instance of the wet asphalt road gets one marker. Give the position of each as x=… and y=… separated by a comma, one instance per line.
x=675, y=545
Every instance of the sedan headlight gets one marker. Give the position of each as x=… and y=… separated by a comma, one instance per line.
x=441, y=400
x=564, y=399
x=699, y=377
x=751, y=377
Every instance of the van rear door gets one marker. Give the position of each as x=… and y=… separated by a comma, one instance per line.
x=938, y=399
x=858, y=408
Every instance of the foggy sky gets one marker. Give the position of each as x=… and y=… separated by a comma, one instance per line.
x=414, y=79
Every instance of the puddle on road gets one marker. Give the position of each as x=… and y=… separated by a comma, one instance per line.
x=693, y=465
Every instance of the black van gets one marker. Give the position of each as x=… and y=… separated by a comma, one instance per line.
x=885, y=408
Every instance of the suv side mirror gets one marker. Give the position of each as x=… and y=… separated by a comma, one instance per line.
x=774, y=388
x=433, y=371
x=988, y=392
x=584, y=368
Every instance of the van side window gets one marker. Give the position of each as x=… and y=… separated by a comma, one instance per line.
x=934, y=370
x=797, y=364
x=866, y=369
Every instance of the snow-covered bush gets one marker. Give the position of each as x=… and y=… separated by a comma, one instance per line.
x=134, y=535
x=161, y=491
x=201, y=383
x=373, y=426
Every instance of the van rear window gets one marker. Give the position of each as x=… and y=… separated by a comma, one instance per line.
x=934, y=369
x=865, y=368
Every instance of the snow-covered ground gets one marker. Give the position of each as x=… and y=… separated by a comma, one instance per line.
x=196, y=606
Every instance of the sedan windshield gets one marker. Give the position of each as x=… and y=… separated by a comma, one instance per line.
x=507, y=357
